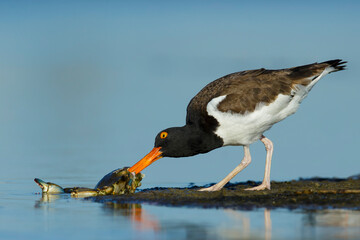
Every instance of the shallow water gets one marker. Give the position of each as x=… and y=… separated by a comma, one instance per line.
x=87, y=85
x=25, y=214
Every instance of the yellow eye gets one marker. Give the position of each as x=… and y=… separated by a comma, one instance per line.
x=163, y=135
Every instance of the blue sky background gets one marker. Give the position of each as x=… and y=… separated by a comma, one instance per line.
x=86, y=85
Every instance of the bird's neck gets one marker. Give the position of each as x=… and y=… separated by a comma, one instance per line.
x=199, y=141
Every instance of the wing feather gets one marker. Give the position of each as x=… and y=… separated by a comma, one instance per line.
x=245, y=90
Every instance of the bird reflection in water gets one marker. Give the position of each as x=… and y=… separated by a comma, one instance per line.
x=143, y=221
x=140, y=219
x=241, y=218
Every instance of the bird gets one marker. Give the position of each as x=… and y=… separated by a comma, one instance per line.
x=236, y=110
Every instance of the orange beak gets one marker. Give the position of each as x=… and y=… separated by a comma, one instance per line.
x=151, y=157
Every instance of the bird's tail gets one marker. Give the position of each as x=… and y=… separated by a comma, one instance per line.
x=324, y=68
x=335, y=65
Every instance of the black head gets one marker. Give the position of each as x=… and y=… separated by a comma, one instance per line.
x=179, y=142
x=186, y=141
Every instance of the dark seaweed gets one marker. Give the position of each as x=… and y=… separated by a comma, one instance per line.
x=314, y=193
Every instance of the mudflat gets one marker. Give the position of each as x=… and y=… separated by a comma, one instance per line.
x=313, y=193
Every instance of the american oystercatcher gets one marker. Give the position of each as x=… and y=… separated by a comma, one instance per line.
x=236, y=110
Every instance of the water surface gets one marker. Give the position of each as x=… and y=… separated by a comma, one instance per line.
x=25, y=214
x=87, y=85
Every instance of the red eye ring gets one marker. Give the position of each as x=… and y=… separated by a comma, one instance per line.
x=163, y=135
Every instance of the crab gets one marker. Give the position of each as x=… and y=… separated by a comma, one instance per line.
x=119, y=181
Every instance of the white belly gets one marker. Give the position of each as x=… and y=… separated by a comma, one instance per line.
x=244, y=129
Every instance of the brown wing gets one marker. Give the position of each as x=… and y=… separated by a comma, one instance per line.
x=244, y=90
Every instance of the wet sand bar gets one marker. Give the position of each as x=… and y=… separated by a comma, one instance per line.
x=314, y=193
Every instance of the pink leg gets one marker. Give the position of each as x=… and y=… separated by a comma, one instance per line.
x=243, y=164
x=269, y=151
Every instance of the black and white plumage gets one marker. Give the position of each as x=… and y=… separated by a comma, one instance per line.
x=236, y=110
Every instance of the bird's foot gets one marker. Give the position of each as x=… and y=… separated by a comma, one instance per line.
x=262, y=186
x=213, y=188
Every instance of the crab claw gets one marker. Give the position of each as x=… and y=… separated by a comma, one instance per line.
x=48, y=187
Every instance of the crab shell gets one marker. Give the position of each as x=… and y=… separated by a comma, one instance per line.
x=119, y=181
